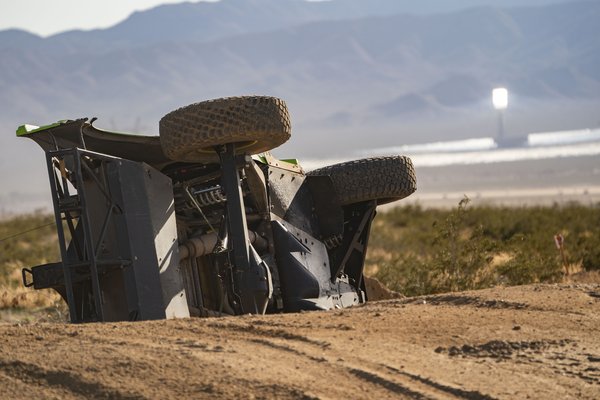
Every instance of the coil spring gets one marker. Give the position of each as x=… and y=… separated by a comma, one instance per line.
x=210, y=196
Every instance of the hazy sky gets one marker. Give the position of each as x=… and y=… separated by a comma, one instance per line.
x=46, y=17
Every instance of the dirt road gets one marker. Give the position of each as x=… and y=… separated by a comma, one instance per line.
x=539, y=342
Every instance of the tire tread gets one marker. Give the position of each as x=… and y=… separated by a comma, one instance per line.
x=385, y=179
x=189, y=133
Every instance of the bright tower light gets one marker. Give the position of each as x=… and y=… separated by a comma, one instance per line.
x=500, y=98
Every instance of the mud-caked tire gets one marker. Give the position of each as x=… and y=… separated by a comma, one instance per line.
x=384, y=179
x=255, y=123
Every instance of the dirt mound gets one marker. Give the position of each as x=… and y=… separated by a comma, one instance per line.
x=536, y=341
x=377, y=291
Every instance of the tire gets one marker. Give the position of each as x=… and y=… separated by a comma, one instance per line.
x=384, y=179
x=255, y=123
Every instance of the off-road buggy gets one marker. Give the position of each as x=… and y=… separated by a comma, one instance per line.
x=202, y=220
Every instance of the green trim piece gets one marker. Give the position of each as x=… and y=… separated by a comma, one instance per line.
x=260, y=158
x=26, y=129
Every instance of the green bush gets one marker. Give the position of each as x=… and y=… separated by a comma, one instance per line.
x=26, y=241
x=412, y=250
x=417, y=251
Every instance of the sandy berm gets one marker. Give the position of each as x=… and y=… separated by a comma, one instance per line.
x=537, y=341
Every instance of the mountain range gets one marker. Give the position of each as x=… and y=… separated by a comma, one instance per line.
x=355, y=73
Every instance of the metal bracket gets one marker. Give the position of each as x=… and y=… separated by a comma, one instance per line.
x=350, y=256
x=24, y=273
x=236, y=217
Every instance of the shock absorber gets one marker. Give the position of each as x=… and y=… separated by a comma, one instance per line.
x=210, y=196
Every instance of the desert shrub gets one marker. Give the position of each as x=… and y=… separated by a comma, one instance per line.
x=412, y=250
x=419, y=251
x=451, y=254
x=26, y=241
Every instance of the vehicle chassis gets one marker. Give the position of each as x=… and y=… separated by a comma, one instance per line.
x=272, y=238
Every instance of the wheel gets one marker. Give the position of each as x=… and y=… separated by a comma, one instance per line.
x=254, y=123
x=384, y=179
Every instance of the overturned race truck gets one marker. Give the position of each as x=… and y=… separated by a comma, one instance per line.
x=202, y=220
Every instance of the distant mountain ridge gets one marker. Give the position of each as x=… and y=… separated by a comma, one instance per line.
x=353, y=78
x=357, y=74
x=206, y=21
x=440, y=60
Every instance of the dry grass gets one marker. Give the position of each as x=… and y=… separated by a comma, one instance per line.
x=26, y=241
x=25, y=304
x=22, y=297
x=588, y=277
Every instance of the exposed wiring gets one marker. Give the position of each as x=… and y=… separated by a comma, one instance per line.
x=27, y=231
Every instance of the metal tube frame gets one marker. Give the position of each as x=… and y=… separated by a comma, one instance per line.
x=65, y=204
